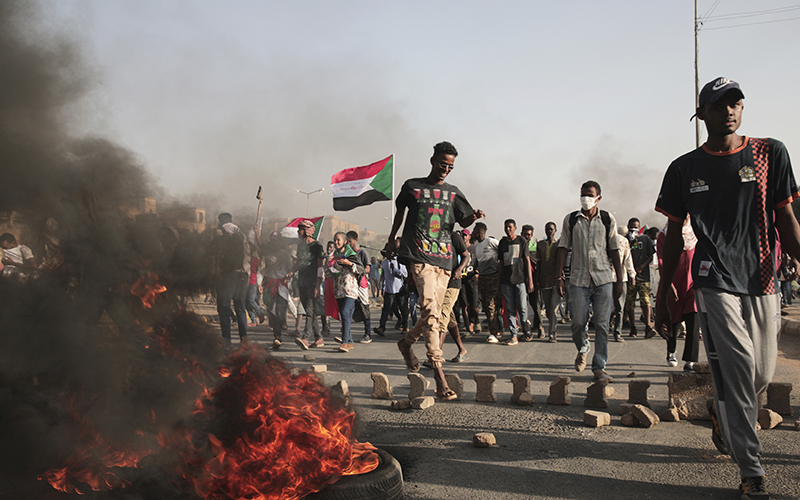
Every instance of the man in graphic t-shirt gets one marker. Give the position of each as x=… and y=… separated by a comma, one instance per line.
x=642, y=250
x=738, y=191
x=425, y=248
x=515, y=276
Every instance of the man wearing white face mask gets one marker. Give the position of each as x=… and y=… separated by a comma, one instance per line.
x=590, y=233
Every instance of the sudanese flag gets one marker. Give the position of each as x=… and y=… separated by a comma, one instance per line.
x=359, y=186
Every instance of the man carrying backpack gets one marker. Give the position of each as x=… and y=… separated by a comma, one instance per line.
x=595, y=258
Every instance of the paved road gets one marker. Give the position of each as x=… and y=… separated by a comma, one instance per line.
x=544, y=451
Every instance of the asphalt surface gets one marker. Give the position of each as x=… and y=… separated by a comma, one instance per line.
x=545, y=451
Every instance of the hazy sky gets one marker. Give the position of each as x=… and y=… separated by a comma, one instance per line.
x=219, y=97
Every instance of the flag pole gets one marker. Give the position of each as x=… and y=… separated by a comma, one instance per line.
x=391, y=202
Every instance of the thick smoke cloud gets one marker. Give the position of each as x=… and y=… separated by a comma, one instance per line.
x=76, y=340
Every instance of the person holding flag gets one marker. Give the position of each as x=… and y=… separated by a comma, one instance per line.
x=426, y=249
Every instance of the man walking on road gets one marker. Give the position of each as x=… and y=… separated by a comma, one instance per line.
x=433, y=208
x=310, y=274
x=590, y=233
x=738, y=191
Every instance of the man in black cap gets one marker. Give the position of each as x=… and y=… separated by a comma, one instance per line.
x=738, y=191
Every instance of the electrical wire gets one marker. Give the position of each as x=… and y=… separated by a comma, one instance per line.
x=741, y=15
x=752, y=24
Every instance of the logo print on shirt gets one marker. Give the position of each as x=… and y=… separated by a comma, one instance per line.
x=436, y=193
x=436, y=221
x=417, y=192
x=705, y=268
x=697, y=186
x=747, y=174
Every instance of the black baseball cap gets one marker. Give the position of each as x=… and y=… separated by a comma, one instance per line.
x=715, y=89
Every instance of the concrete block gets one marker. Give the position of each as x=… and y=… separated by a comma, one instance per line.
x=418, y=385
x=309, y=357
x=629, y=420
x=645, y=416
x=596, y=394
x=637, y=392
x=483, y=440
x=485, y=390
x=341, y=392
x=422, y=402
x=319, y=368
x=559, y=391
x=688, y=393
x=522, y=385
x=670, y=415
x=625, y=408
x=778, y=398
x=525, y=400
x=768, y=418
x=380, y=386
x=401, y=404
x=593, y=418
x=455, y=383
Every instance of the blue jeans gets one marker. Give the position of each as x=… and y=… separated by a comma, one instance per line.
x=251, y=301
x=514, y=298
x=601, y=299
x=232, y=286
x=346, y=307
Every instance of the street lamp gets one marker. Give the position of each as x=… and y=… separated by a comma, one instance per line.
x=308, y=195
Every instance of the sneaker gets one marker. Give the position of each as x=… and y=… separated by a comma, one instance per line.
x=716, y=434
x=618, y=337
x=689, y=366
x=753, y=488
x=512, y=341
x=318, y=343
x=380, y=331
x=492, y=339
x=345, y=347
x=460, y=358
x=338, y=339
x=649, y=332
x=276, y=344
x=303, y=343
x=552, y=338
x=672, y=360
x=366, y=339
x=580, y=362
x=528, y=337
x=602, y=375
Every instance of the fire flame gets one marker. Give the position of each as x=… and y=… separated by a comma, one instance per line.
x=267, y=433
x=148, y=289
x=296, y=438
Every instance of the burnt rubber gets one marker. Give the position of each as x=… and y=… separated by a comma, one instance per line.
x=383, y=483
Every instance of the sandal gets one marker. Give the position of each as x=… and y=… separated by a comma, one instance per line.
x=427, y=364
x=446, y=395
x=460, y=358
x=412, y=363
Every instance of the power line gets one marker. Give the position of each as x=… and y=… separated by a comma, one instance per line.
x=752, y=24
x=710, y=9
x=740, y=15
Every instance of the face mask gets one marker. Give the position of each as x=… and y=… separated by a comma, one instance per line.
x=588, y=202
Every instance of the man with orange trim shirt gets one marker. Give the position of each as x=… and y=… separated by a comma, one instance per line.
x=738, y=191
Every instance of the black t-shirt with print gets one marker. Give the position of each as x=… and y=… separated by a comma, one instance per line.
x=512, y=254
x=459, y=247
x=731, y=198
x=642, y=250
x=307, y=255
x=433, y=209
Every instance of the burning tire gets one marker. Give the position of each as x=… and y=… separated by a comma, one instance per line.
x=383, y=483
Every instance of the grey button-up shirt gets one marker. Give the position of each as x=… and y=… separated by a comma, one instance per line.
x=588, y=239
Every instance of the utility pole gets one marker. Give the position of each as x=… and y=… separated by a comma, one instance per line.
x=308, y=196
x=696, y=76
